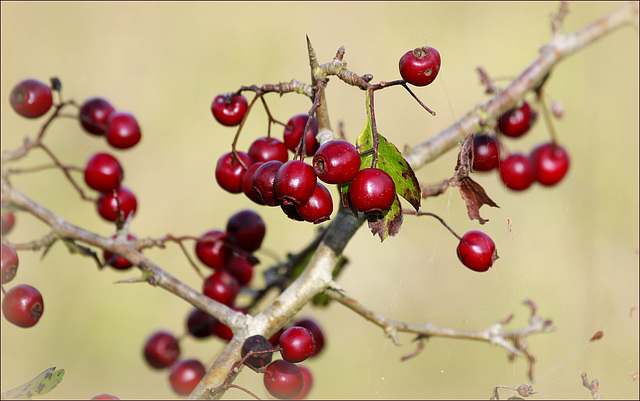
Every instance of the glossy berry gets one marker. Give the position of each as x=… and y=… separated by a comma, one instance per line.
x=319, y=206
x=420, y=66
x=257, y=343
x=316, y=332
x=222, y=287
x=263, y=182
x=241, y=268
x=31, y=98
x=477, y=251
x=216, y=254
x=108, y=205
x=266, y=149
x=123, y=130
x=372, y=191
x=94, y=115
x=297, y=344
x=293, y=134
x=486, y=152
x=199, y=323
x=22, y=305
x=10, y=263
x=229, y=170
x=516, y=122
x=308, y=382
x=103, y=172
x=8, y=221
x=116, y=261
x=517, y=172
x=295, y=182
x=550, y=162
x=246, y=182
x=105, y=397
x=283, y=379
x=246, y=229
x=336, y=162
x=229, y=109
x=161, y=350
x=184, y=375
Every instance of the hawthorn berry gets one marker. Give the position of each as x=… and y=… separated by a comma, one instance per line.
x=257, y=343
x=8, y=221
x=229, y=109
x=275, y=338
x=245, y=183
x=222, y=287
x=199, y=323
x=516, y=122
x=184, y=375
x=107, y=204
x=420, y=66
x=123, y=131
x=215, y=254
x=31, y=98
x=161, y=350
x=517, y=172
x=230, y=169
x=316, y=332
x=477, y=251
x=222, y=331
x=372, y=191
x=263, y=182
x=292, y=134
x=94, y=115
x=268, y=148
x=117, y=261
x=295, y=182
x=486, y=152
x=318, y=207
x=308, y=382
x=297, y=344
x=336, y=162
x=10, y=263
x=103, y=172
x=241, y=268
x=283, y=379
x=246, y=229
x=23, y=306
x=550, y=162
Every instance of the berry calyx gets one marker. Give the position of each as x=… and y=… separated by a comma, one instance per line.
x=111, y=208
x=94, y=115
x=517, y=172
x=372, y=191
x=268, y=148
x=246, y=229
x=516, y=122
x=222, y=287
x=215, y=254
x=420, y=66
x=117, y=261
x=257, y=343
x=297, y=344
x=161, y=350
x=103, y=172
x=336, y=162
x=318, y=207
x=185, y=375
x=31, y=98
x=295, y=182
x=123, y=130
x=283, y=379
x=10, y=263
x=315, y=330
x=230, y=169
x=292, y=134
x=229, y=109
x=550, y=162
x=23, y=306
x=477, y=251
x=486, y=152
x=263, y=182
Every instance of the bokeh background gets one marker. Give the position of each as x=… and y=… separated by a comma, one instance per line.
x=573, y=249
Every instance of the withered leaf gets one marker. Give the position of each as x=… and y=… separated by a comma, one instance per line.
x=389, y=223
x=597, y=336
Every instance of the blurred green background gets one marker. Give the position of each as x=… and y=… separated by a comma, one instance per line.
x=573, y=248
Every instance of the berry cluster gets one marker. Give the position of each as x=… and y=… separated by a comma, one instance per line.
x=98, y=117
x=22, y=305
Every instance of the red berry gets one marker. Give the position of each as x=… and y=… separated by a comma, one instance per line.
x=517, y=172
x=257, y=343
x=316, y=332
x=550, y=162
x=308, y=382
x=420, y=66
x=222, y=331
x=103, y=172
x=275, y=338
x=105, y=397
x=31, y=98
x=199, y=323
x=124, y=131
x=295, y=182
x=297, y=344
x=222, y=287
x=283, y=379
x=229, y=109
x=486, y=152
x=241, y=269
x=319, y=206
x=116, y=261
x=516, y=122
x=161, y=350
x=336, y=162
x=477, y=251
x=94, y=115
x=185, y=375
x=22, y=305
x=372, y=191
x=10, y=263
x=230, y=169
x=246, y=182
x=8, y=221
x=266, y=149
x=108, y=205
x=293, y=134
x=215, y=254
x=246, y=229
x=263, y=182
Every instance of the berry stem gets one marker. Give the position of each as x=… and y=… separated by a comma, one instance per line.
x=547, y=118
x=244, y=119
x=374, y=128
x=411, y=212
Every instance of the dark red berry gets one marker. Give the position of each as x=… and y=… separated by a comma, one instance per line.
x=94, y=115
x=161, y=350
x=283, y=379
x=229, y=109
x=336, y=162
x=215, y=254
x=246, y=182
x=263, y=182
x=105, y=397
x=246, y=229
x=8, y=221
x=116, y=261
x=275, y=338
x=266, y=149
x=222, y=287
x=420, y=66
x=199, y=323
x=108, y=206
x=308, y=382
x=230, y=169
x=31, y=98
x=297, y=344
x=477, y=251
x=517, y=172
x=184, y=375
x=319, y=206
x=22, y=305
x=372, y=191
x=293, y=134
x=10, y=263
x=295, y=182
x=241, y=268
x=103, y=172
x=222, y=331
x=486, y=152
x=550, y=162
x=316, y=332
x=257, y=343
x=516, y=122
x=124, y=131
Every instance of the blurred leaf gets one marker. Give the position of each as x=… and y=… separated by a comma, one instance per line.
x=39, y=385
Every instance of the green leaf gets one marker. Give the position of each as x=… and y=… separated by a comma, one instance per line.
x=39, y=385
